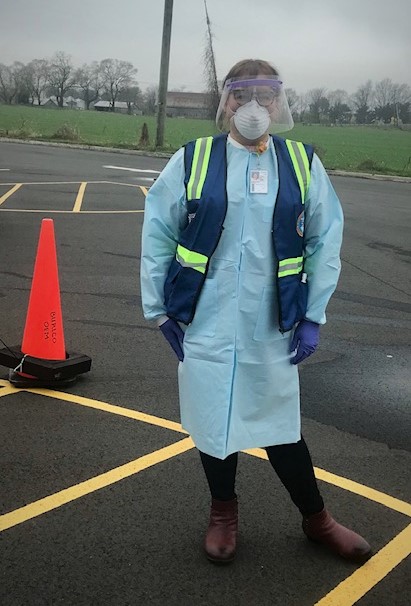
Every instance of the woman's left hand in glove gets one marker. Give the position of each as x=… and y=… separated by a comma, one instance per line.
x=305, y=340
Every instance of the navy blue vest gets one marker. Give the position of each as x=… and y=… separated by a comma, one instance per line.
x=202, y=234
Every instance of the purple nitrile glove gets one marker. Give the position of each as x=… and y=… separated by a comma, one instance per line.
x=174, y=335
x=305, y=340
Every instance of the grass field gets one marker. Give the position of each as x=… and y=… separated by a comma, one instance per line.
x=353, y=148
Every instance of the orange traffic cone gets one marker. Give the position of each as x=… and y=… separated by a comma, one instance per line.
x=43, y=357
x=43, y=333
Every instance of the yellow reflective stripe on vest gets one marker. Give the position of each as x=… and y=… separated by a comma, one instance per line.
x=189, y=258
x=301, y=165
x=201, y=158
x=288, y=267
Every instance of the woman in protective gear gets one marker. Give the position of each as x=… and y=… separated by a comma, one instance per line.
x=240, y=248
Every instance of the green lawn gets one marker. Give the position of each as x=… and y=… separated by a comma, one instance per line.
x=353, y=148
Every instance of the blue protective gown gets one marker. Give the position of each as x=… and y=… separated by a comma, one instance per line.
x=237, y=386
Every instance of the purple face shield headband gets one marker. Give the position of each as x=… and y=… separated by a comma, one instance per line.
x=272, y=83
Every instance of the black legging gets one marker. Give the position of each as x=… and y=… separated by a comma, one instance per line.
x=292, y=463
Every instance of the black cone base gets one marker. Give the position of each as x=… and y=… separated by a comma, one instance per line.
x=52, y=372
x=23, y=382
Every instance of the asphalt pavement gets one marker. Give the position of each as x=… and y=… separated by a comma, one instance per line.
x=102, y=495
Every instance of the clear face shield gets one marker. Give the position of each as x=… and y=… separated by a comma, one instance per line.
x=255, y=104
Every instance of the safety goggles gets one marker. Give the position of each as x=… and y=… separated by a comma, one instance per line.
x=263, y=91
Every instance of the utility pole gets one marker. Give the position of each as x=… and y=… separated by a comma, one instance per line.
x=165, y=60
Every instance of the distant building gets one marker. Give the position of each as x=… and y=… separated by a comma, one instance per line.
x=121, y=107
x=187, y=105
x=74, y=103
x=50, y=103
x=68, y=102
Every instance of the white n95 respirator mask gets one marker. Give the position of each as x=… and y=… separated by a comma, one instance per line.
x=251, y=120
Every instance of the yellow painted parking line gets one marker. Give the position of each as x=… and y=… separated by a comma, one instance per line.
x=32, y=210
x=119, y=183
x=75, y=183
x=11, y=191
x=355, y=487
x=83, y=212
x=339, y=481
x=4, y=383
x=38, y=508
x=365, y=578
x=364, y=491
x=56, y=183
x=346, y=593
x=79, y=199
x=117, y=410
x=6, y=391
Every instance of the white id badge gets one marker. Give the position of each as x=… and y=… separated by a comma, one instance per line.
x=258, y=181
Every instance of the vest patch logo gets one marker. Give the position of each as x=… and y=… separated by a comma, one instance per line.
x=300, y=225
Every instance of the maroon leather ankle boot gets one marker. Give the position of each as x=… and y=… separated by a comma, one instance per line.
x=322, y=528
x=221, y=536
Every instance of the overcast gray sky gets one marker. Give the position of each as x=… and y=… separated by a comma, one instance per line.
x=330, y=43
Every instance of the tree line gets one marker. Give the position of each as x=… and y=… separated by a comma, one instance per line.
x=110, y=79
x=115, y=80
x=384, y=102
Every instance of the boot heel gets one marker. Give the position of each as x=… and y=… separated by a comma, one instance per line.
x=221, y=538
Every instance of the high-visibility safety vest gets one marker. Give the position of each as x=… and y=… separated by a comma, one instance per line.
x=205, y=183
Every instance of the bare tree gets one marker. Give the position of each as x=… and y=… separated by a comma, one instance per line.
x=150, y=100
x=391, y=100
x=210, y=72
x=87, y=79
x=401, y=93
x=10, y=82
x=364, y=94
x=384, y=92
x=35, y=75
x=116, y=76
x=339, y=111
x=60, y=75
x=318, y=102
x=18, y=70
x=337, y=97
x=292, y=99
x=8, y=89
x=302, y=106
x=388, y=93
x=402, y=103
x=362, y=101
x=132, y=96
